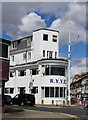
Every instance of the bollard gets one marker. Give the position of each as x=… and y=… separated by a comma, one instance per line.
x=42, y=102
x=52, y=102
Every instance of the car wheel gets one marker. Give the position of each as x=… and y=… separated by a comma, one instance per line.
x=22, y=103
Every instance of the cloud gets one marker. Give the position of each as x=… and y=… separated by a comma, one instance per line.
x=77, y=26
x=79, y=66
x=56, y=24
x=31, y=22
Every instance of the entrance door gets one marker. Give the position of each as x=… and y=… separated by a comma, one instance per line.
x=22, y=90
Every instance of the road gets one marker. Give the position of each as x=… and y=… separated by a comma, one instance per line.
x=75, y=111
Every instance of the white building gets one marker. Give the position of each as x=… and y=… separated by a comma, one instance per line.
x=35, y=67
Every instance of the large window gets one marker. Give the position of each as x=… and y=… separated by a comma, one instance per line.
x=55, y=70
x=53, y=92
x=45, y=37
x=56, y=91
x=46, y=91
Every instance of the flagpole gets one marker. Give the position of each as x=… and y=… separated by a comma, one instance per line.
x=69, y=62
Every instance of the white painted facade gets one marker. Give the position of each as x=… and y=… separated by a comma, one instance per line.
x=39, y=70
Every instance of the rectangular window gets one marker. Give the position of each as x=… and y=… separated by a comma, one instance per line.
x=14, y=45
x=35, y=71
x=22, y=73
x=11, y=90
x=24, y=56
x=45, y=37
x=54, y=38
x=46, y=91
x=56, y=70
x=34, y=90
x=29, y=40
x=47, y=70
x=51, y=91
x=11, y=74
x=56, y=91
x=49, y=54
x=61, y=91
x=29, y=55
x=7, y=90
x=42, y=92
x=43, y=53
x=12, y=58
x=55, y=54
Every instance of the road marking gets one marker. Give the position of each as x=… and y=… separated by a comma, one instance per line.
x=69, y=115
x=65, y=114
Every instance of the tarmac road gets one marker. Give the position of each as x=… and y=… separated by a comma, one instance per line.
x=42, y=112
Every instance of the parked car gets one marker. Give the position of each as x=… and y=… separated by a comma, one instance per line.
x=7, y=99
x=23, y=99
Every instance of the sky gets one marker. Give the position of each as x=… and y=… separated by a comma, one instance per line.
x=19, y=19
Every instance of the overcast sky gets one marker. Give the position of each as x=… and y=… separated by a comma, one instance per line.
x=19, y=19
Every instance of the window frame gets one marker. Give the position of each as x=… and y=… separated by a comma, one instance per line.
x=54, y=38
x=45, y=37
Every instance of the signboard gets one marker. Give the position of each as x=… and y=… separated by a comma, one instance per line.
x=60, y=81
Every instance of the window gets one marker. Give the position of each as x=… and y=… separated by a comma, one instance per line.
x=11, y=74
x=24, y=56
x=12, y=58
x=34, y=90
x=55, y=54
x=9, y=90
x=56, y=91
x=46, y=91
x=14, y=45
x=4, y=52
x=43, y=53
x=47, y=70
x=45, y=37
x=56, y=70
x=29, y=55
x=29, y=40
x=35, y=71
x=54, y=38
x=49, y=54
x=61, y=91
x=51, y=91
x=42, y=92
x=22, y=73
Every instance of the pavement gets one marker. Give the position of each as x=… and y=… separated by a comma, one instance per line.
x=14, y=113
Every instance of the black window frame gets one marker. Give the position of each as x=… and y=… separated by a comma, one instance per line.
x=45, y=37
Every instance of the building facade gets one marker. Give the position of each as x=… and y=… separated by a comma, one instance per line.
x=35, y=67
x=4, y=67
x=79, y=86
